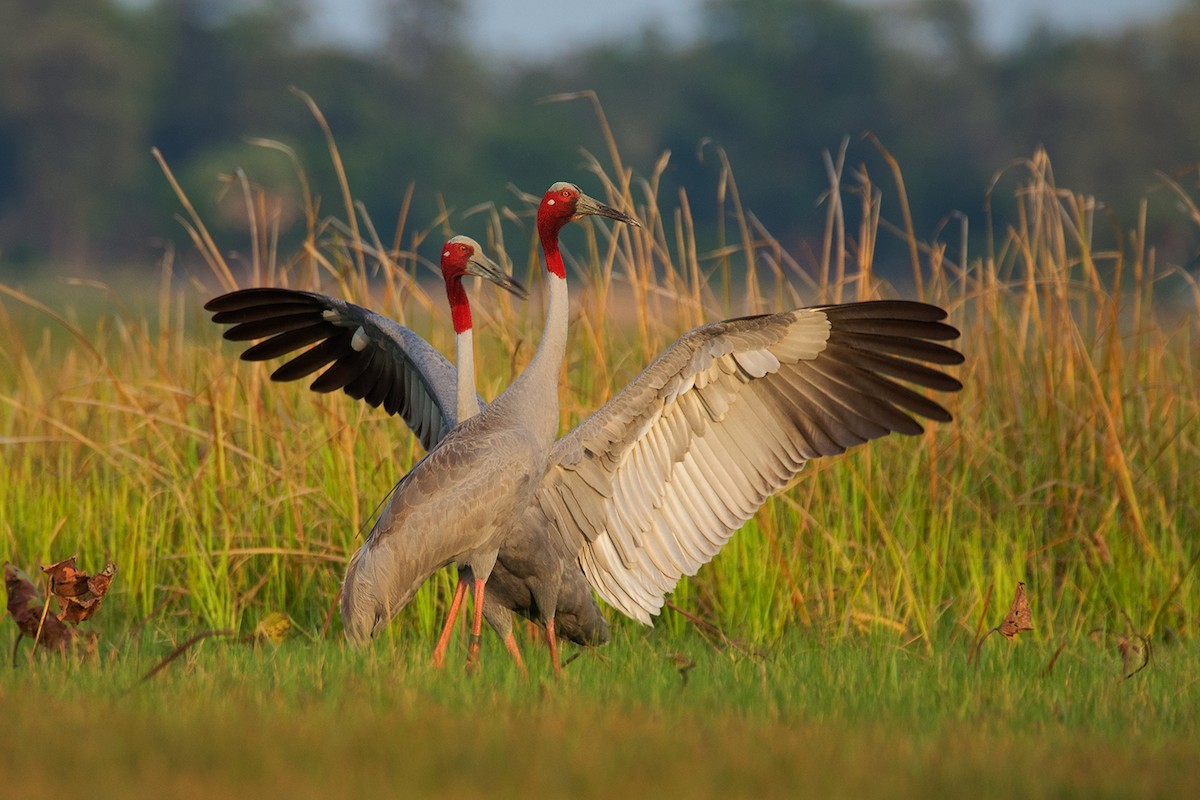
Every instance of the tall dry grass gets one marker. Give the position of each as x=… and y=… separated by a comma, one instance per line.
x=1072, y=464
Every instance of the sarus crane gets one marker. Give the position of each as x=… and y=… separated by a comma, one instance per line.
x=649, y=487
x=391, y=361
x=390, y=357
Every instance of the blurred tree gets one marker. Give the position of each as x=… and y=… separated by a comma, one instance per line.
x=779, y=82
x=73, y=112
x=954, y=28
x=420, y=33
x=1099, y=108
x=434, y=100
x=86, y=86
x=944, y=129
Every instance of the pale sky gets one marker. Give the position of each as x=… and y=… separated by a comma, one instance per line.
x=512, y=29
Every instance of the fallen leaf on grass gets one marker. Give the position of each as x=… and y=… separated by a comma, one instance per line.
x=65, y=579
x=274, y=627
x=24, y=602
x=1019, y=618
x=27, y=608
x=707, y=629
x=1134, y=647
x=79, y=594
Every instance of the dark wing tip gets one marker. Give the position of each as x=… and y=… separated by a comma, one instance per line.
x=260, y=295
x=893, y=309
x=952, y=358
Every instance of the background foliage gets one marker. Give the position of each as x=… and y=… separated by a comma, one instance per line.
x=87, y=87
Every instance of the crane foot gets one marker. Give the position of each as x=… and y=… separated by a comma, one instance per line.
x=473, y=655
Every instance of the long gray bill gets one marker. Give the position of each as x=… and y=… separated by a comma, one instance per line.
x=484, y=267
x=589, y=205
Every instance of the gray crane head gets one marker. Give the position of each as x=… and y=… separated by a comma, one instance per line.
x=363, y=614
x=462, y=255
x=381, y=579
x=565, y=202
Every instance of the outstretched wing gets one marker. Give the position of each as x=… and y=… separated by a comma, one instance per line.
x=651, y=486
x=366, y=355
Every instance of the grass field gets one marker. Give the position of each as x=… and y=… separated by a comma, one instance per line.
x=848, y=719
x=831, y=653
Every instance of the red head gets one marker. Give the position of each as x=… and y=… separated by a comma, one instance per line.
x=562, y=203
x=461, y=256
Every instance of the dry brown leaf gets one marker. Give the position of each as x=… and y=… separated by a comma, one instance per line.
x=65, y=579
x=24, y=602
x=26, y=606
x=1019, y=618
x=79, y=594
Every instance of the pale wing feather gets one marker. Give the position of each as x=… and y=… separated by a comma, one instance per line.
x=651, y=486
x=365, y=354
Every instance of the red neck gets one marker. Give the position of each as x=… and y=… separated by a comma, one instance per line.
x=548, y=233
x=460, y=307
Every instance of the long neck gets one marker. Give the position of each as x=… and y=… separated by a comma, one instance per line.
x=536, y=389
x=464, y=356
x=464, y=359
x=544, y=369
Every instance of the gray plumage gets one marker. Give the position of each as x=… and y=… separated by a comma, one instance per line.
x=528, y=568
x=472, y=491
x=469, y=489
x=536, y=577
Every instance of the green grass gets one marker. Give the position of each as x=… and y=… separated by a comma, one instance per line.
x=805, y=717
x=129, y=431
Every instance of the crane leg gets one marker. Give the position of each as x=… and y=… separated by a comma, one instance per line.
x=476, y=626
x=439, y=652
x=552, y=643
x=510, y=644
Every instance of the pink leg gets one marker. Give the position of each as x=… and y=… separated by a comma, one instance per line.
x=553, y=644
x=439, y=652
x=476, y=627
x=510, y=643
